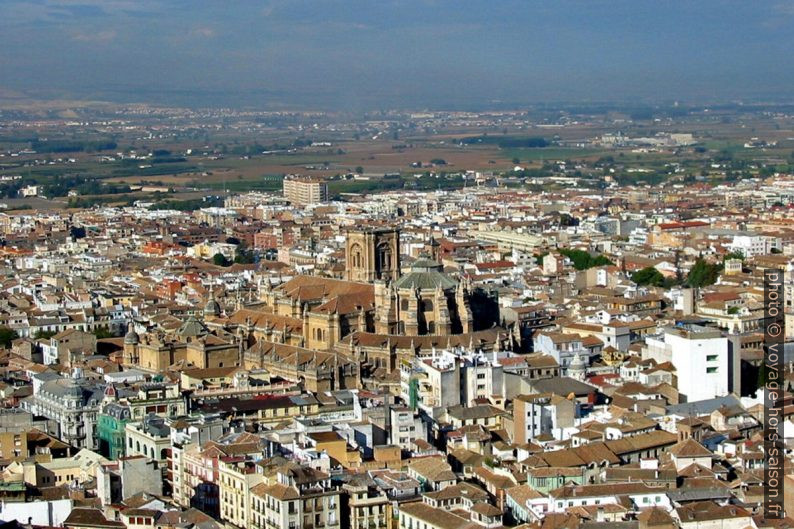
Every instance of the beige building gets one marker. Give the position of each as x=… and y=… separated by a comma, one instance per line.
x=369, y=506
x=420, y=514
x=295, y=497
x=149, y=437
x=304, y=191
x=237, y=478
x=192, y=344
x=196, y=470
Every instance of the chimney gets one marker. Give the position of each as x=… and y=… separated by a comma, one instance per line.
x=600, y=514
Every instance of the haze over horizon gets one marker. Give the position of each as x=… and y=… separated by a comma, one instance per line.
x=356, y=55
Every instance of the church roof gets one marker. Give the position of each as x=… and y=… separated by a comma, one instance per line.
x=426, y=274
x=192, y=327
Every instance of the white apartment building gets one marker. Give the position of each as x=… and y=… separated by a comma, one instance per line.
x=405, y=427
x=542, y=413
x=701, y=359
x=451, y=377
x=752, y=245
x=565, y=346
x=71, y=402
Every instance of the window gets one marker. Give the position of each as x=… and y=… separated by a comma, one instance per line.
x=711, y=358
x=385, y=258
x=355, y=251
x=711, y=370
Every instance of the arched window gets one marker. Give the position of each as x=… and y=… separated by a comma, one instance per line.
x=427, y=305
x=403, y=304
x=431, y=327
x=384, y=256
x=355, y=256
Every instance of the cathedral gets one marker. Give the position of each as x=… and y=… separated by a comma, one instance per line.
x=425, y=301
x=334, y=333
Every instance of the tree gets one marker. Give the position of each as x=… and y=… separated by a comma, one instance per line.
x=244, y=256
x=568, y=220
x=44, y=335
x=582, y=260
x=648, y=276
x=736, y=254
x=359, y=169
x=77, y=232
x=7, y=336
x=702, y=274
x=102, y=332
x=220, y=260
x=516, y=161
x=600, y=261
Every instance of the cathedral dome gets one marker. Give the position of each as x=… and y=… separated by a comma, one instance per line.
x=426, y=274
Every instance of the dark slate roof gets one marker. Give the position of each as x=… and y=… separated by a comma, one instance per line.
x=426, y=274
x=702, y=407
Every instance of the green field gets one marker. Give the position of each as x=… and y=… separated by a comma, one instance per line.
x=266, y=183
x=551, y=154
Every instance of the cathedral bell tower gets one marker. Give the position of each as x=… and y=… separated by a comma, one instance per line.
x=372, y=254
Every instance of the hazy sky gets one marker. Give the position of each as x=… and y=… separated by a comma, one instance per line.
x=370, y=53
